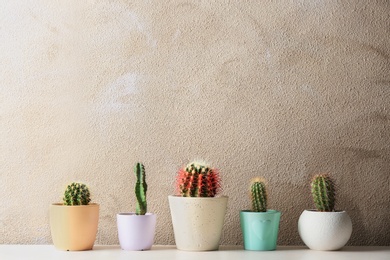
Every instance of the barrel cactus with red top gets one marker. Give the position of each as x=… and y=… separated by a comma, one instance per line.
x=197, y=180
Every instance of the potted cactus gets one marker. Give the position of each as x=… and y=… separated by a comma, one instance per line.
x=260, y=226
x=196, y=210
x=74, y=222
x=324, y=228
x=136, y=230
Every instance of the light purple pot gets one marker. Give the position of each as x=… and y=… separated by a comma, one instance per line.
x=136, y=232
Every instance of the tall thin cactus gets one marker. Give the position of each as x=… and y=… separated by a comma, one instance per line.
x=323, y=192
x=258, y=195
x=140, y=189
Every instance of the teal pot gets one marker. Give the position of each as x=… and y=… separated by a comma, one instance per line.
x=260, y=229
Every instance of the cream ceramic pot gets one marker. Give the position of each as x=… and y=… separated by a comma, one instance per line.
x=324, y=230
x=197, y=222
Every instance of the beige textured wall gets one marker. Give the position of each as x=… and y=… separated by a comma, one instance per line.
x=282, y=89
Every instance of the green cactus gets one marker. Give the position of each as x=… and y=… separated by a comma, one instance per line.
x=140, y=189
x=323, y=192
x=76, y=194
x=258, y=195
x=197, y=180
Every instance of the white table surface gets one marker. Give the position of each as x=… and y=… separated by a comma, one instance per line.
x=35, y=252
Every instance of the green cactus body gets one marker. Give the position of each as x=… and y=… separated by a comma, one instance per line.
x=323, y=192
x=76, y=194
x=140, y=189
x=258, y=195
x=198, y=180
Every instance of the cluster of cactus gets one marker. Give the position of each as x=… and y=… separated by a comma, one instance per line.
x=258, y=194
x=140, y=189
x=323, y=192
x=197, y=180
x=76, y=194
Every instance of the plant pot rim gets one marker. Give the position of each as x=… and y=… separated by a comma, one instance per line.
x=329, y=212
x=75, y=206
x=194, y=198
x=269, y=211
x=131, y=214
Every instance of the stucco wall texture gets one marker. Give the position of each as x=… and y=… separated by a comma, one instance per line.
x=281, y=89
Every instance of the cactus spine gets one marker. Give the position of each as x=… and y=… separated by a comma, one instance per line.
x=258, y=195
x=76, y=194
x=140, y=189
x=197, y=180
x=323, y=192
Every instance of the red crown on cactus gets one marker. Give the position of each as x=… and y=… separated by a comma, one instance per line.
x=197, y=180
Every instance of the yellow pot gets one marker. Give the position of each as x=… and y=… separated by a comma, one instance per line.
x=74, y=228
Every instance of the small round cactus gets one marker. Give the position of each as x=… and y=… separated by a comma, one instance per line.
x=258, y=195
x=76, y=194
x=140, y=189
x=323, y=192
x=197, y=180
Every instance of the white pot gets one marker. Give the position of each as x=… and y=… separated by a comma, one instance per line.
x=324, y=230
x=136, y=232
x=197, y=222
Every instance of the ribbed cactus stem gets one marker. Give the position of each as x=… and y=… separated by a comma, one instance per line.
x=76, y=194
x=323, y=192
x=140, y=189
x=258, y=195
x=198, y=180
